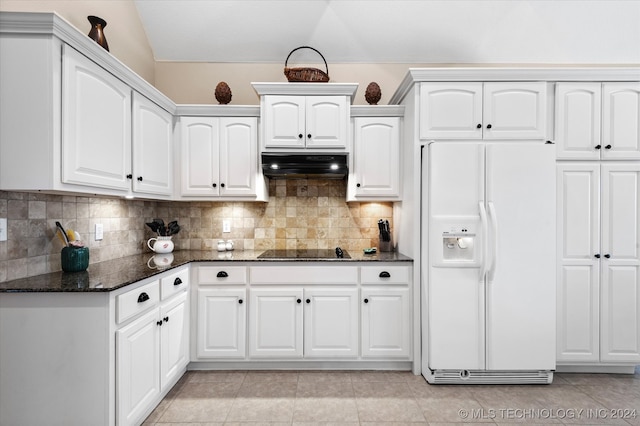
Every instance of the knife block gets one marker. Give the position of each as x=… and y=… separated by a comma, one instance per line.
x=385, y=246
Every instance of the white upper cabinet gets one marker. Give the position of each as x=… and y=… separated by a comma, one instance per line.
x=597, y=121
x=219, y=157
x=305, y=122
x=152, y=148
x=96, y=131
x=474, y=110
x=376, y=159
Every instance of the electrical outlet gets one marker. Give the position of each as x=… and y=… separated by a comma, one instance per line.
x=3, y=229
x=99, y=232
x=226, y=225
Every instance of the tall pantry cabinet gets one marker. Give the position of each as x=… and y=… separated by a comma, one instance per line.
x=598, y=151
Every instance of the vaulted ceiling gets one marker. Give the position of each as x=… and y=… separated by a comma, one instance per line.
x=394, y=31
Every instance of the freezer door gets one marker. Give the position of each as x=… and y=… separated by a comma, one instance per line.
x=521, y=286
x=455, y=290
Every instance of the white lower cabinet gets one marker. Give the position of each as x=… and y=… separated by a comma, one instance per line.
x=303, y=323
x=386, y=322
x=221, y=327
x=151, y=351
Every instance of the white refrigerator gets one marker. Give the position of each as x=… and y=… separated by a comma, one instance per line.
x=489, y=264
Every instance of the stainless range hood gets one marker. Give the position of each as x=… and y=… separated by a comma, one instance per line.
x=304, y=166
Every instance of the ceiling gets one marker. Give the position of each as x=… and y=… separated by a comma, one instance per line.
x=393, y=31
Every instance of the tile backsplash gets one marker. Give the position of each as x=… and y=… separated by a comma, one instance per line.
x=300, y=214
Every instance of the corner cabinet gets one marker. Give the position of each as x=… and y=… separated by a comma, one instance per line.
x=476, y=110
x=82, y=120
x=219, y=157
x=375, y=161
x=309, y=116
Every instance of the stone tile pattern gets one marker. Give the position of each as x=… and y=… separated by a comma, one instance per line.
x=391, y=397
x=300, y=214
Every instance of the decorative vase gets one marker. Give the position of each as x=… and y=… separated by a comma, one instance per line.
x=223, y=93
x=74, y=259
x=97, y=31
x=372, y=94
x=161, y=244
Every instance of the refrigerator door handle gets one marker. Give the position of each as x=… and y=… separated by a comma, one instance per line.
x=485, y=234
x=494, y=240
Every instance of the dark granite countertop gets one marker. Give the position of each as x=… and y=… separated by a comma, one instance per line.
x=113, y=274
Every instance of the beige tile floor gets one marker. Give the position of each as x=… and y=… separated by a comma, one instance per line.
x=305, y=398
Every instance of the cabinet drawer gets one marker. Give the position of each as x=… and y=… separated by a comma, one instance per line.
x=174, y=283
x=309, y=274
x=221, y=275
x=133, y=302
x=385, y=274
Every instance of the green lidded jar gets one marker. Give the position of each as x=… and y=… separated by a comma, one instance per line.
x=75, y=259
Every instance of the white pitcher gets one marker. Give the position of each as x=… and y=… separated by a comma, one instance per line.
x=161, y=245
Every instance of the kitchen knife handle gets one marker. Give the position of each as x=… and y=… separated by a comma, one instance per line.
x=222, y=274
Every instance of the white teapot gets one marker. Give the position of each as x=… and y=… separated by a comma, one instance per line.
x=161, y=245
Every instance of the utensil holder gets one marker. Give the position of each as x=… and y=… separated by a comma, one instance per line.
x=74, y=259
x=385, y=246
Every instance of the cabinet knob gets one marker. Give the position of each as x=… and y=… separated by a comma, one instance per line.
x=607, y=256
x=366, y=300
x=384, y=274
x=489, y=126
x=222, y=185
x=139, y=178
x=308, y=300
x=299, y=301
x=129, y=176
x=214, y=185
x=159, y=322
x=309, y=136
x=479, y=126
x=222, y=274
x=143, y=297
x=598, y=146
x=597, y=256
x=299, y=135
x=165, y=319
x=177, y=281
x=607, y=147
x=240, y=301
x=358, y=185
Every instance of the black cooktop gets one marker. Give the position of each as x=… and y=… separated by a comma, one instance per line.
x=305, y=254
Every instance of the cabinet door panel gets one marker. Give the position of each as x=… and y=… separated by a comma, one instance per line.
x=96, y=136
x=238, y=156
x=137, y=367
x=284, y=121
x=386, y=323
x=174, y=337
x=377, y=157
x=578, y=118
x=275, y=323
x=221, y=323
x=578, y=318
x=450, y=111
x=152, y=147
x=326, y=122
x=515, y=111
x=331, y=323
x=621, y=121
x=200, y=149
x=620, y=327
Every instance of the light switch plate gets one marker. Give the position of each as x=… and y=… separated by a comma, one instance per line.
x=226, y=225
x=99, y=232
x=3, y=229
